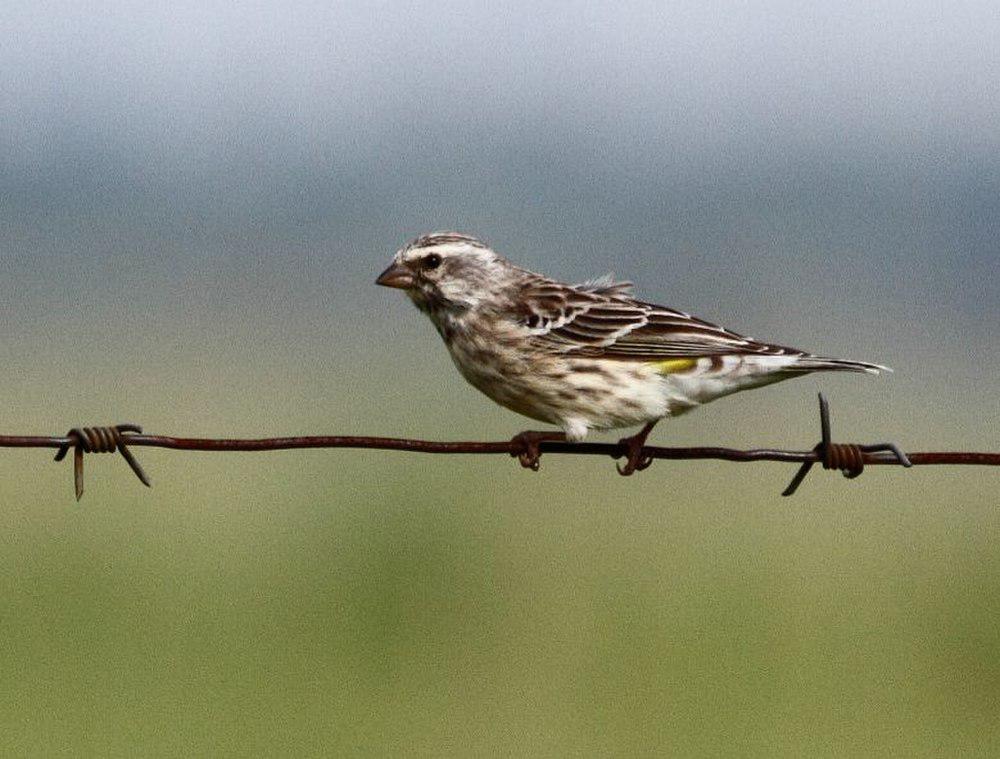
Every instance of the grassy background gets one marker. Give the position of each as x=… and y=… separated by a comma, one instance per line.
x=380, y=603
x=194, y=207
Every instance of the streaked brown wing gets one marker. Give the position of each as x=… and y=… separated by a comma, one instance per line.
x=571, y=320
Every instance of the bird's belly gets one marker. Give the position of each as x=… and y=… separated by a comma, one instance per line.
x=601, y=394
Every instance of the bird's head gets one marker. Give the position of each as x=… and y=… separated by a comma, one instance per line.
x=447, y=271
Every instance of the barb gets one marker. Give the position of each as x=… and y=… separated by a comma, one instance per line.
x=848, y=458
x=99, y=440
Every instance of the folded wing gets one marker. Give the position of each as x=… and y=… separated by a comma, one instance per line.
x=604, y=323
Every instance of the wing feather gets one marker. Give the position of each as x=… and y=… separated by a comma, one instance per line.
x=606, y=285
x=601, y=321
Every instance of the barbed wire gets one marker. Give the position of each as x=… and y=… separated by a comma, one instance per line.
x=849, y=458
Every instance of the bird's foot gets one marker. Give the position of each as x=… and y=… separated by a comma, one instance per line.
x=635, y=459
x=526, y=447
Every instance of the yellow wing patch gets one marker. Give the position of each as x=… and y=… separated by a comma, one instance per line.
x=675, y=365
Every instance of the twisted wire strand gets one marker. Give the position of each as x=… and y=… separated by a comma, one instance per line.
x=847, y=458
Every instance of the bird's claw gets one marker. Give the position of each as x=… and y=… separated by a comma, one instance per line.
x=635, y=460
x=526, y=448
x=530, y=458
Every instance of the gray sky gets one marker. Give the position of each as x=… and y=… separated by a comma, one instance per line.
x=358, y=120
x=199, y=81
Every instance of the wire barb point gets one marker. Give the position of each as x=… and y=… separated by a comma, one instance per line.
x=100, y=440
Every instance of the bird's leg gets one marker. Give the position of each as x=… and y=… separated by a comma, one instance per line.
x=635, y=461
x=526, y=446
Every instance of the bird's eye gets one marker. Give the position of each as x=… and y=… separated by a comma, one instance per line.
x=432, y=261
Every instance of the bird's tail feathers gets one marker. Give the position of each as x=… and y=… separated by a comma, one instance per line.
x=823, y=364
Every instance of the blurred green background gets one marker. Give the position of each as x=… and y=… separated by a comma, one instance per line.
x=194, y=202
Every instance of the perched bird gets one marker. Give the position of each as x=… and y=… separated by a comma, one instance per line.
x=586, y=356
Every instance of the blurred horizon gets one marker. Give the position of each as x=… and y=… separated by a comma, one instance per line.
x=195, y=200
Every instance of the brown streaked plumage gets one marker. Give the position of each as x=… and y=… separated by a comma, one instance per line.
x=588, y=356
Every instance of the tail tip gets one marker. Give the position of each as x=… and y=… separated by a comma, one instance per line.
x=819, y=363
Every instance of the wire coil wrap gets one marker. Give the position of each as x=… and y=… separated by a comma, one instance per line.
x=96, y=439
x=846, y=457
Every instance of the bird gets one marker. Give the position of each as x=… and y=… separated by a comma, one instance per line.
x=583, y=357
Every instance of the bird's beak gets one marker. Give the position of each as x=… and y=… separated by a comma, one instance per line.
x=397, y=276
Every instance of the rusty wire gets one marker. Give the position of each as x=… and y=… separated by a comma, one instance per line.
x=850, y=459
